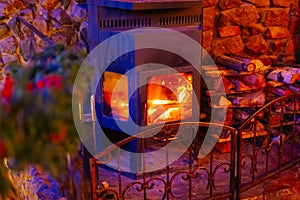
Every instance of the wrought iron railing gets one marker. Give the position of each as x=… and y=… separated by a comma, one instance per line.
x=274, y=143
x=177, y=180
x=264, y=145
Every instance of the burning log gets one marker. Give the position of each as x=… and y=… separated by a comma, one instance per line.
x=236, y=64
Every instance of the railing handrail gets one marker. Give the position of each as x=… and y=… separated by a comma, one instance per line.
x=149, y=131
x=190, y=170
x=236, y=185
x=253, y=115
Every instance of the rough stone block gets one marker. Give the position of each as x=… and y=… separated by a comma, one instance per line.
x=4, y=31
x=27, y=14
x=25, y=30
x=4, y=10
x=68, y=32
x=25, y=48
x=267, y=60
x=244, y=15
x=296, y=42
x=30, y=1
x=230, y=45
x=277, y=17
x=61, y=17
x=294, y=25
x=14, y=26
x=207, y=39
x=228, y=4
x=294, y=11
x=262, y=14
x=41, y=23
x=209, y=18
x=40, y=44
x=223, y=21
x=282, y=3
x=276, y=32
x=290, y=46
x=245, y=33
x=277, y=46
x=287, y=59
x=8, y=45
x=49, y=4
x=8, y=58
x=259, y=3
x=79, y=47
x=229, y=31
x=256, y=45
x=59, y=39
x=18, y=4
x=208, y=3
x=77, y=13
x=257, y=29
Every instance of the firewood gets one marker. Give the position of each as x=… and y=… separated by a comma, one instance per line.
x=240, y=86
x=280, y=91
x=252, y=99
x=284, y=76
x=235, y=64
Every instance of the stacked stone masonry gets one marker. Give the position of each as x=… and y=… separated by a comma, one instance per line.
x=265, y=29
x=62, y=21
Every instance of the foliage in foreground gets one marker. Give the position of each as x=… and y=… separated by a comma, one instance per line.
x=36, y=120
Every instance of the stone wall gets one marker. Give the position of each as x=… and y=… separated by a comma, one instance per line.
x=62, y=21
x=265, y=29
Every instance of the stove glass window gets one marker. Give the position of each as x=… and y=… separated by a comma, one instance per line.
x=115, y=96
x=169, y=98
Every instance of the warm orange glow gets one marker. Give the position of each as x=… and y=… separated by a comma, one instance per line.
x=115, y=89
x=160, y=102
x=169, y=98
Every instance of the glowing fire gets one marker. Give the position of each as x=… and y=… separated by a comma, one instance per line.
x=169, y=98
x=115, y=89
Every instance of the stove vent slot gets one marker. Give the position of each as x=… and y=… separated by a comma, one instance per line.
x=125, y=23
x=184, y=19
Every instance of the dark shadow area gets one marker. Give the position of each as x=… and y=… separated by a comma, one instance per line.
x=296, y=36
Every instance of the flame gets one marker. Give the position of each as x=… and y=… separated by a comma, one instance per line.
x=160, y=102
x=115, y=94
x=169, y=98
x=185, y=94
x=169, y=114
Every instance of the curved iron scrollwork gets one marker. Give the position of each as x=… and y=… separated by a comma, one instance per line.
x=168, y=178
x=280, y=119
x=273, y=131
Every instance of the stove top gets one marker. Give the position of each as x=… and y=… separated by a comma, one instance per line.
x=145, y=4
